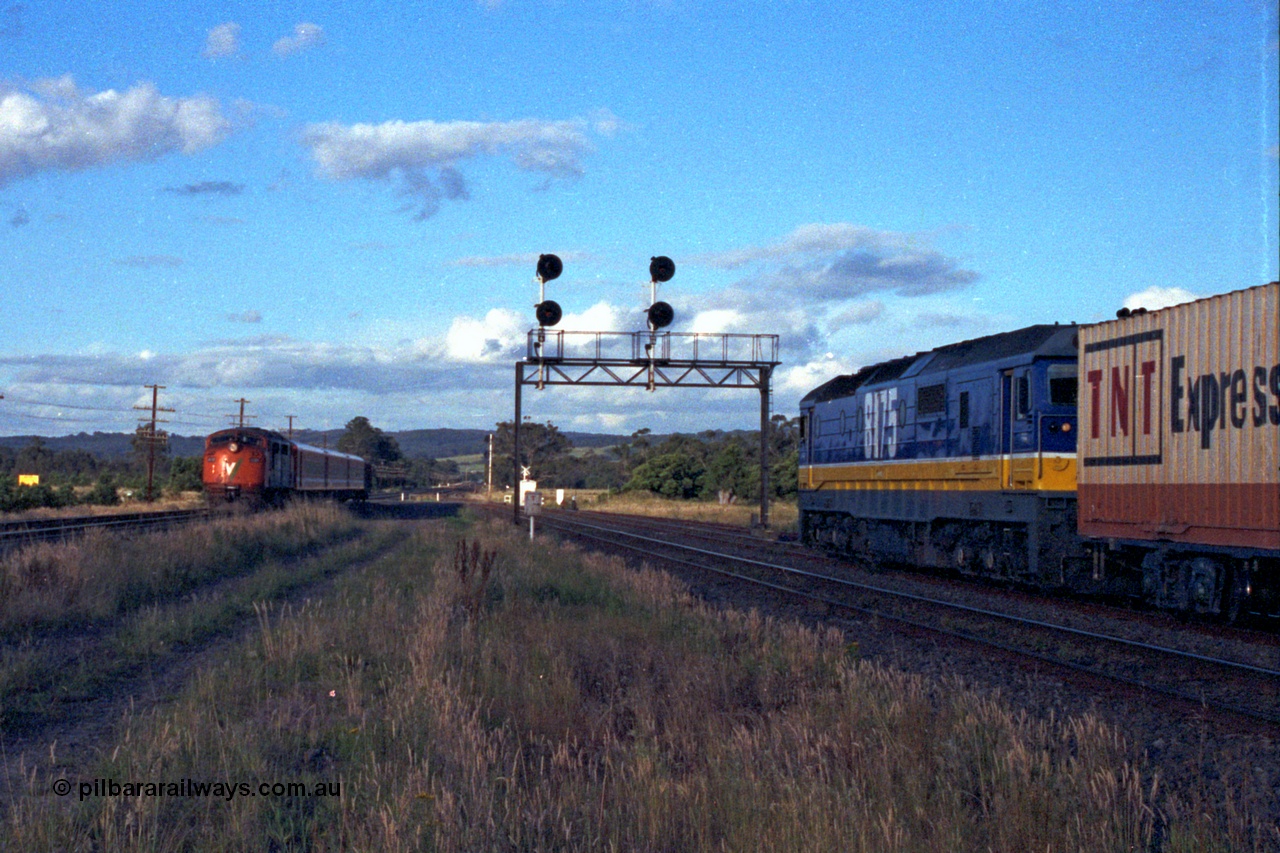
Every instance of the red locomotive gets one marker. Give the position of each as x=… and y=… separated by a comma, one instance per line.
x=262, y=466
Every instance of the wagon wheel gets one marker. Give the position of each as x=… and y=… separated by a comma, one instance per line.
x=1235, y=593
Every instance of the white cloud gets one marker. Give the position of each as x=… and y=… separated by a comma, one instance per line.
x=841, y=260
x=424, y=154
x=499, y=337
x=305, y=36
x=1154, y=298
x=813, y=285
x=222, y=41
x=857, y=314
x=800, y=379
x=717, y=320
x=601, y=317
x=55, y=126
x=817, y=238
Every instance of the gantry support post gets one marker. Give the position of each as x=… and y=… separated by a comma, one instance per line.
x=766, y=376
x=515, y=452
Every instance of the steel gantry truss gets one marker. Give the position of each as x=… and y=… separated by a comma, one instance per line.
x=651, y=360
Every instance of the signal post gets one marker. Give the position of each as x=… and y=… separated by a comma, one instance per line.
x=644, y=359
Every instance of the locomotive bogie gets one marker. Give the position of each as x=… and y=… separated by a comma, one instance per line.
x=1024, y=539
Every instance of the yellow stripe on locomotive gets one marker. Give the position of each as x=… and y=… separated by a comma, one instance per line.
x=962, y=457
x=1052, y=472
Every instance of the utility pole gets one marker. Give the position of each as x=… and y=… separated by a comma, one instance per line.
x=243, y=416
x=489, y=491
x=153, y=437
x=291, y=417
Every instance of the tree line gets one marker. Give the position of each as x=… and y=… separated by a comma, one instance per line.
x=71, y=477
x=710, y=464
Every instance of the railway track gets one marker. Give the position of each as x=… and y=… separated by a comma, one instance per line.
x=1235, y=673
x=14, y=533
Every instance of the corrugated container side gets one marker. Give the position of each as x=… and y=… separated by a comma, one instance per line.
x=1180, y=423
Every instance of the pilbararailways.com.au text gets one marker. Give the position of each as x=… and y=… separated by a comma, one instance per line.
x=191, y=788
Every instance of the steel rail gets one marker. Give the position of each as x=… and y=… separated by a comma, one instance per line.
x=14, y=533
x=569, y=526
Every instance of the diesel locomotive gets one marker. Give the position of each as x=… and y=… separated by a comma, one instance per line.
x=261, y=466
x=1135, y=458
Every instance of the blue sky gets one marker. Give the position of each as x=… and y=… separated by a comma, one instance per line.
x=336, y=209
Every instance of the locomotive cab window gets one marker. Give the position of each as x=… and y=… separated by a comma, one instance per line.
x=1022, y=388
x=964, y=410
x=1062, y=384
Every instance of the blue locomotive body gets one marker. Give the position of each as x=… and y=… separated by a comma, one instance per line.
x=962, y=457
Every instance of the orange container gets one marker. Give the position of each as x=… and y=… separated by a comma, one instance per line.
x=1179, y=427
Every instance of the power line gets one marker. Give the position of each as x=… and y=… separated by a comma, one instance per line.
x=55, y=405
x=11, y=414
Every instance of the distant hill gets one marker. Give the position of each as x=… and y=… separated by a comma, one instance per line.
x=431, y=443
x=106, y=445
x=444, y=443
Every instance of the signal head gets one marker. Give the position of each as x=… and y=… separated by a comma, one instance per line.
x=660, y=314
x=549, y=267
x=548, y=313
x=661, y=268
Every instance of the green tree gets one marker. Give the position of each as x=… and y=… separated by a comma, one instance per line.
x=77, y=465
x=732, y=472
x=672, y=475
x=184, y=475
x=104, y=492
x=35, y=458
x=543, y=448
x=368, y=442
x=784, y=474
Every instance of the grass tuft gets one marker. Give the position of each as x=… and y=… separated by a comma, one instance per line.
x=594, y=707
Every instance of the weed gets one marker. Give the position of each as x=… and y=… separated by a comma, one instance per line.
x=597, y=708
x=473, y=566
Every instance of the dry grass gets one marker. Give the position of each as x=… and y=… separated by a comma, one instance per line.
x=783, y=515
x=185, y=500
x=502, y=696
x=79, y=620
x=102, y=574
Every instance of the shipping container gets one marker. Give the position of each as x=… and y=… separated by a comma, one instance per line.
x=1179, y=424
